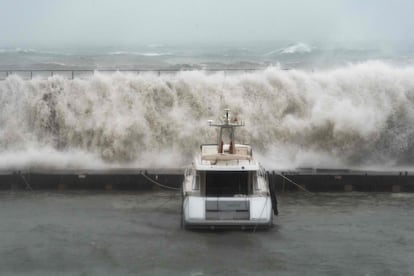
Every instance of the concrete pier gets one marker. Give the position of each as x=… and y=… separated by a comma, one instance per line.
x=322, y=180
x=315, y=180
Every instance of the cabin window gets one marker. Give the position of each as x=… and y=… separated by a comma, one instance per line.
x=227, y=184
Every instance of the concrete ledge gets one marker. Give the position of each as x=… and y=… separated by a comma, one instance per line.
x=95, y=181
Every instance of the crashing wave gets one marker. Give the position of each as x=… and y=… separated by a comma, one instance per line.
x=358, y=115
x=298, y=48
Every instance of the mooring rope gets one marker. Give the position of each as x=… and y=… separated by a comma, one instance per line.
x=293, y=182
x=159, y=184
x=26, y=182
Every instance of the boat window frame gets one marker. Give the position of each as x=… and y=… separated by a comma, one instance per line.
x=255, y=183
x=196, y=181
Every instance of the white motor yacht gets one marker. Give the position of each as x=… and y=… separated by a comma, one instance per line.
x=226, y=186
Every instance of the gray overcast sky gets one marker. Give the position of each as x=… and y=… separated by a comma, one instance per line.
x=128, y=22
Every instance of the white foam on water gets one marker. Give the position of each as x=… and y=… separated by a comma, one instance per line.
x=299, y=47
x=360, y=115
x=145, y=54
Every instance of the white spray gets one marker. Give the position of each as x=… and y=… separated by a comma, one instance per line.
x=357, y=116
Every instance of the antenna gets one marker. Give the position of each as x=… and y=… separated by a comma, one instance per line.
x=226, y=122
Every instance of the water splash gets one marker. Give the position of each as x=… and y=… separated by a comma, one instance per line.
x=359, y=115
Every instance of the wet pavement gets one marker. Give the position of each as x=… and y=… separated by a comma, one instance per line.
x=89, y=233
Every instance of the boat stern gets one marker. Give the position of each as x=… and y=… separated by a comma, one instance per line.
x=227, y=212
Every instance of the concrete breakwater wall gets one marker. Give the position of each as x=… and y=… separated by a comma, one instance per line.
x=129, y=179
x=344, y=181
x=90, y=180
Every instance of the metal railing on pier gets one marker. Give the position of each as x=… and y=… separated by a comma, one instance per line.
x=29, y=74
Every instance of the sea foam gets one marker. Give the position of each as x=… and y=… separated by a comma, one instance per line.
x=360, y=115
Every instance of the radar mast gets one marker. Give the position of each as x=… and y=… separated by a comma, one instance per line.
x=227, y=123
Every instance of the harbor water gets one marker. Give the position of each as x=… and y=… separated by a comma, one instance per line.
x=100, y=233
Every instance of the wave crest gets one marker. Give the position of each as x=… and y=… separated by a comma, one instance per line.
x=358, y=115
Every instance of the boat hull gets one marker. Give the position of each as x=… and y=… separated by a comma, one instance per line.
x=220, y=224
x=227, y=212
